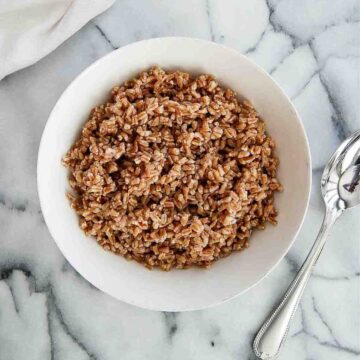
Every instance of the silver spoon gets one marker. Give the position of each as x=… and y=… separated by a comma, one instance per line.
x=340, y=187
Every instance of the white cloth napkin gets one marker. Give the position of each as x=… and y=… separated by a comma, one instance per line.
x=31, y=29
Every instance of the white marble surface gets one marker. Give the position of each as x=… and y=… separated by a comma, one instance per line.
x=47, y=311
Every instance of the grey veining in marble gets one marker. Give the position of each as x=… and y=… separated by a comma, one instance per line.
x=47, y=311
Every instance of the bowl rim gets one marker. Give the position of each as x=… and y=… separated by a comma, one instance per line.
x=257, y=67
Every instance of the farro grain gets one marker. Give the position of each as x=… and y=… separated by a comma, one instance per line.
x=173, y=171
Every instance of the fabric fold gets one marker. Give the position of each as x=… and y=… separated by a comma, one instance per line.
x=31, y=29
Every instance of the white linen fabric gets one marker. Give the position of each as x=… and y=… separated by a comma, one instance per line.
x=31, y=29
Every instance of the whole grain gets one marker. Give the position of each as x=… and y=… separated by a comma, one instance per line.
x=173, y=171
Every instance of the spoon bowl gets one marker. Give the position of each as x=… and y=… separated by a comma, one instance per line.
x=344, y=158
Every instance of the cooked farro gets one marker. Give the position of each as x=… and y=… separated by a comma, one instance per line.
x=173, y=171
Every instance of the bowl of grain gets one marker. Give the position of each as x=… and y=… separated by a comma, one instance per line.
x=174, y=174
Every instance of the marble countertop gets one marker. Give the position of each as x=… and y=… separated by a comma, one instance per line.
x=47, y=311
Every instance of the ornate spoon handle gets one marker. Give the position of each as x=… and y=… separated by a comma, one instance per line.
x=272, y=335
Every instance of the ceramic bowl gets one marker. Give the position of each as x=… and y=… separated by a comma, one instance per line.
x=177, y=290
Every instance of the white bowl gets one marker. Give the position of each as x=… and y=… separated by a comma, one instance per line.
x=177, y=290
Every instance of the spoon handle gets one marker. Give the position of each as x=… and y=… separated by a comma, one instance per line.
x=272, y=335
